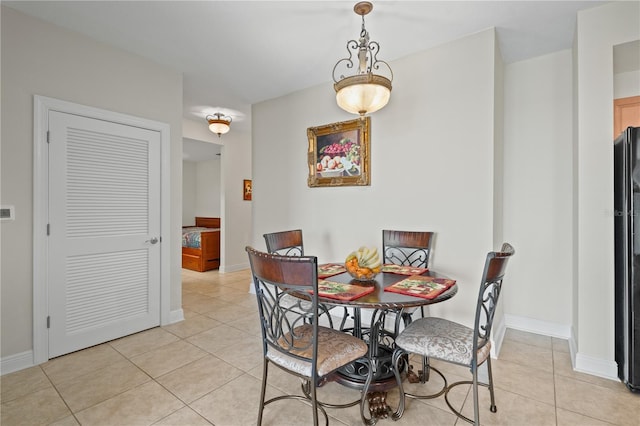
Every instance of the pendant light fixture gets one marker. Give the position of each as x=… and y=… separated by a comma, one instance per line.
x=365, y=91
x=219, y=123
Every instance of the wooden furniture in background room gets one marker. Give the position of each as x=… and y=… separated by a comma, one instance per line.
x=626, y=113
x=207, y=256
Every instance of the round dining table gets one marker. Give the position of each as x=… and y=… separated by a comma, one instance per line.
x=381, y=299
x=383, y=307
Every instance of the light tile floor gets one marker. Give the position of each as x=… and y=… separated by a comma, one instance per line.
x=206, y=370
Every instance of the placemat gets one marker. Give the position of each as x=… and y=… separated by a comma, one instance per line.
x=419, y=286
x=342, y=291
x=329, y=269
x=403, y=270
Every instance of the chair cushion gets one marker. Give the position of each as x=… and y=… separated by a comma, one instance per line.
x=442, y=339
x=335, y=349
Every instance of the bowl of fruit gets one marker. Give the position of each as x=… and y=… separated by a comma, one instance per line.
x=330, y=167
x=363, y=264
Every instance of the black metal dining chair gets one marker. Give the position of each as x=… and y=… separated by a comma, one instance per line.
x=445, y=340
x=289, y=243
x=286, y=243
x=289, y=339
x=407, y=248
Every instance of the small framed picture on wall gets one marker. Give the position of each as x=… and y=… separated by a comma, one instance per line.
x=246, y=190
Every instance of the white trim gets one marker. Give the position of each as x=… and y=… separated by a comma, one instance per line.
x=573, y=348
x=536, y=326
x=499, y=331
x=165, y=222
x=233, y=268
x=596, y=366
x=41, y=107
x=176, y=316
x=16, y=362
x=40, y=215
x=580, y=362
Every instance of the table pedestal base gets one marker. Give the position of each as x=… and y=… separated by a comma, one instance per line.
x=355, y=376
x=378, y=407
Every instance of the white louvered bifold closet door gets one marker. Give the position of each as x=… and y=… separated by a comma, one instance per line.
x=104, y=216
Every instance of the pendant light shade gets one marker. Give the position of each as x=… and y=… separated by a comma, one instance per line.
x=361, y=94
x=365, y=92
x=219, y=123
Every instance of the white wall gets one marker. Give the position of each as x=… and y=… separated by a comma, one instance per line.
x=41, y=59
x=626, y=84
x=189, y=184
x=598, y=30
x=235, y=213
x=208, y=188
x=498, y=182
x=200, y=190
x=432, y=166
x=538, y=188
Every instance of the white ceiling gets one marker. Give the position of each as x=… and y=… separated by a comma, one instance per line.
x=236, y=53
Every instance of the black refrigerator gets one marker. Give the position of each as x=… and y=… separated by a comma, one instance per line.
x=626, y=174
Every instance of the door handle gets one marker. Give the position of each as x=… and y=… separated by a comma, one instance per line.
x=154, y=240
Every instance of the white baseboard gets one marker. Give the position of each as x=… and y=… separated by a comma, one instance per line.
x=580, y=362
x=573, y=348
x=233, y=268
x=596, y=366
x=499, y=330
x=16, y=362
x=176, y=316
x=536, y=326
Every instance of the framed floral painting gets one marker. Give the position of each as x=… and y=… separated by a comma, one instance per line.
x=339, y=154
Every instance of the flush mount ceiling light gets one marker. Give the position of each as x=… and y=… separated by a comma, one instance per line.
x=364, y=92
x=219, y=123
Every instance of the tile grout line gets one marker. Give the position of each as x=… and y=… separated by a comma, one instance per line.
x=553, y=378
x=59, y=396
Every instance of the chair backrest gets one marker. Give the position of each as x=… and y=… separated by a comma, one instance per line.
x=490, y=288
x=287, y=328
x=286, y=243
x=407, y=248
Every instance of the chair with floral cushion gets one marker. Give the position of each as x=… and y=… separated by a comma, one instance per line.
x=445, y=340
x=291, y=340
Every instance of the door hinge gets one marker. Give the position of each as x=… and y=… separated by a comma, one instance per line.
x=48, y=322
x=48, y=136
x=48, y=229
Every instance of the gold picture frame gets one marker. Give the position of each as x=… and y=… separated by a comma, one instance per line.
x=339, y=154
